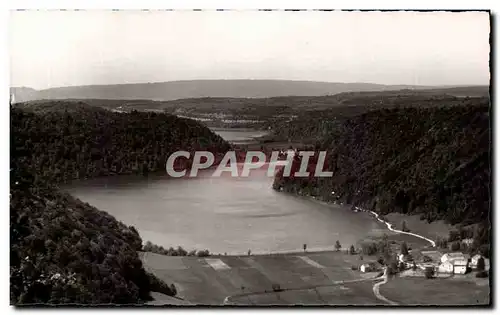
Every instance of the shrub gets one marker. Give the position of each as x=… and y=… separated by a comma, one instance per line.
x=402, y=266
x=453, y=236
x=352, y=251
x=337, y=245
x=455, y=246
x=173, y=289
x=276, y=287
x=404, y=228
x=429, y=272
x=427, y=259
x=441, y=242
x=203, y=253
x=369, y=248
x=157, y=285
x=404, y=248
x=480, y=264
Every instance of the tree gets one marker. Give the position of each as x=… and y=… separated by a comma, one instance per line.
x=454, y=235
x=369, y=248
x=305, y=247
x=173, y=289
x=404, y=248
x=352, y=251
x=404, y=228
x=455, y=246
x=442, y=242
x=402, y=266
x=429, y=273
x=337, y=246
x=414, y=267
x=480, y=264
x=393, y=264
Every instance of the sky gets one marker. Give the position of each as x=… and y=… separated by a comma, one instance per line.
x=68, y=48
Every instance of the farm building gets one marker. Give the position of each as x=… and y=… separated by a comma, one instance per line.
x=446, y=267
x=456, y=266
x=368, y=267
x=460, y=266
x=454, y=256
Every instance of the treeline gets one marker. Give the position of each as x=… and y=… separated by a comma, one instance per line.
x=65, y=140
x=64, y=251
x=314, y=126
x=179, y=251
x=431, y=161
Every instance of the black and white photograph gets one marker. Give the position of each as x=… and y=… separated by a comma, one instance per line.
x=250, y=158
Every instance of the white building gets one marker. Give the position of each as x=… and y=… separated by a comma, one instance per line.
x=460, y=266
x=446, y=267
x=454, y=256
x=367, y=267
x=456, y=266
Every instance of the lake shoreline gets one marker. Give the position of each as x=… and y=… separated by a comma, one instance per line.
x=375, y=216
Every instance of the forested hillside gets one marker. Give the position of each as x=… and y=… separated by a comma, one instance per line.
x=62, y=141
x=66, y=251
x=432, y=161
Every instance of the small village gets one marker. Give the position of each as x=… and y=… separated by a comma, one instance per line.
x=433, y=264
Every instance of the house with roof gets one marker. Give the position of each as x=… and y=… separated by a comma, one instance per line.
x=454, y=256
x=460, y=266
x=446, y=267
x=456, y=263
x=455, y=267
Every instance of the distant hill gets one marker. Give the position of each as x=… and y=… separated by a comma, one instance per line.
x=23, y=94
x=164, y=91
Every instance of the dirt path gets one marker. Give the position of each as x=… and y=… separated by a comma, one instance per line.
x=376, y=291
x=389, y=226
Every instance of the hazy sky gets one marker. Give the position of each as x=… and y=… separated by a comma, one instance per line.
x=57, y=48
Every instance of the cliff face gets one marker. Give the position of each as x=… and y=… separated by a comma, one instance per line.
x=429, y=161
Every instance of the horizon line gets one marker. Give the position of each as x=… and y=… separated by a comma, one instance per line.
x=252, y=79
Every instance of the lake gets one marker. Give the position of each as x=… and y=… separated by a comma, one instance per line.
x=239, y=135
x=225, y=214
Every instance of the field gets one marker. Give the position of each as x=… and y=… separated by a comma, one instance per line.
x=421, y=291
x=208, y=281
x=414, y=224
x=358, y=293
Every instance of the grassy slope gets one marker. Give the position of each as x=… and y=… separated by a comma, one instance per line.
x=421, y=291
